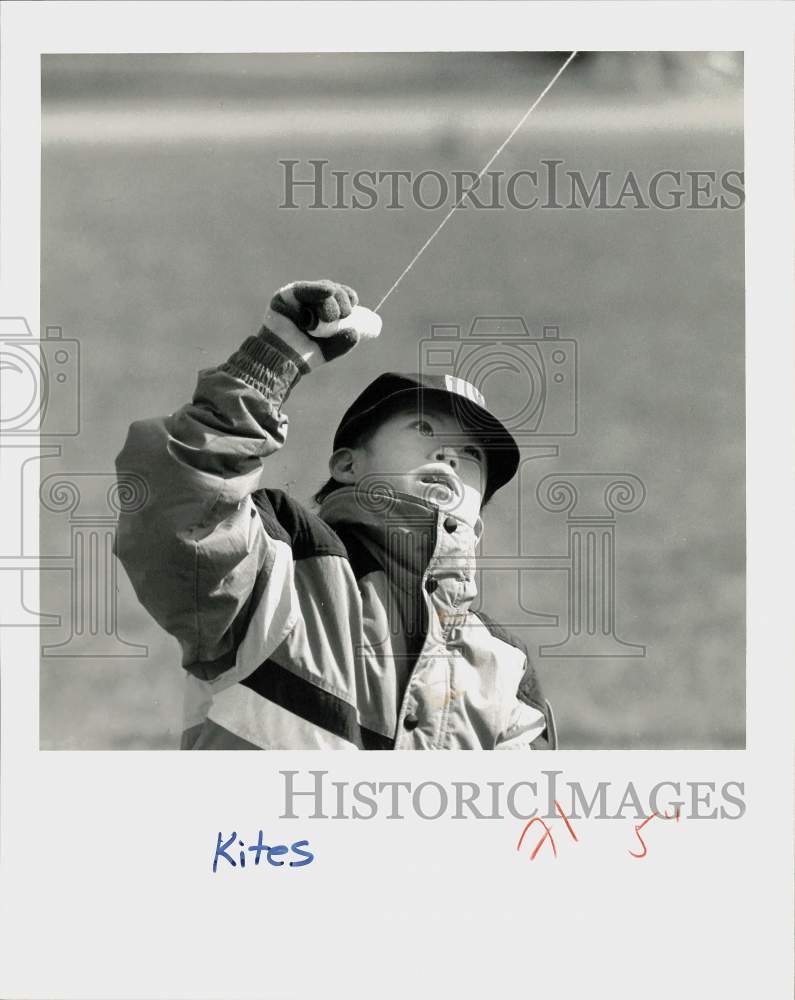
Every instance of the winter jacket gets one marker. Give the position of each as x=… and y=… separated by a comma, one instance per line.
x=348, y=629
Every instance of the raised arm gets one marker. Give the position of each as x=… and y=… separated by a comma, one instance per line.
x=196, y=549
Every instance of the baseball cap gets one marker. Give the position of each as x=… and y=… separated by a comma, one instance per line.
x=466, y=402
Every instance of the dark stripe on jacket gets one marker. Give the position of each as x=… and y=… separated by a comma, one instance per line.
x=362, y=560
x=311, y=703
x=289, y=521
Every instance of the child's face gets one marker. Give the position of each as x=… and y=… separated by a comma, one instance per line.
x=425, y=454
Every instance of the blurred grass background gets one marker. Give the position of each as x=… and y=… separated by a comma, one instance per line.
x=162, y=241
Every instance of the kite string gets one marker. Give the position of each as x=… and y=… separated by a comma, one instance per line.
x=463, y=197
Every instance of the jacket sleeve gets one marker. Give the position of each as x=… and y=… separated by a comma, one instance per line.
x=196, y=552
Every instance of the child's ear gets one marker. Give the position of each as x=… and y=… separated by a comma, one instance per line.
x=341, y=466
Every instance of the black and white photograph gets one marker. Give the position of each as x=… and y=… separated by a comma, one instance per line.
x=406, y=401
x=396, y=376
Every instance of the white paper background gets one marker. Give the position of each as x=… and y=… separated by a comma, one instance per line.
x=105, y=881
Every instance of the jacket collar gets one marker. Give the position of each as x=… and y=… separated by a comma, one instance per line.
x=407, y=536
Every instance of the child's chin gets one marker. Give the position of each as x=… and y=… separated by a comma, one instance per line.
x=441, y=496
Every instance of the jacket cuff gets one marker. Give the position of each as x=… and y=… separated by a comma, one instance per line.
x=268, y=364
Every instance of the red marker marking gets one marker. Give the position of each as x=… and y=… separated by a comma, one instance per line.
x=565, y=820
x=639, y=827
x=547, y=834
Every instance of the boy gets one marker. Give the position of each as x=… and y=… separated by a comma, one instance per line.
x=346, y=629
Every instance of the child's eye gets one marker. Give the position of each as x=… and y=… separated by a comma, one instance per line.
x=424, y=428
x=475, y=452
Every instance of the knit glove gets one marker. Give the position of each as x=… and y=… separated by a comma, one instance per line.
x=320, y=320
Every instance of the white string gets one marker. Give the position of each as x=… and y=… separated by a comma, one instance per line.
x=463, y=198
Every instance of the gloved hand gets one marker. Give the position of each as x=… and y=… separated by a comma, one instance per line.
x=320, y=320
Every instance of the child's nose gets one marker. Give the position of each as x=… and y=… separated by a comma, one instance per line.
x=447, y=454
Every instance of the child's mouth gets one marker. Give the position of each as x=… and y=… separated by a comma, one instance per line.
x=440, y=487
x=433, y=479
